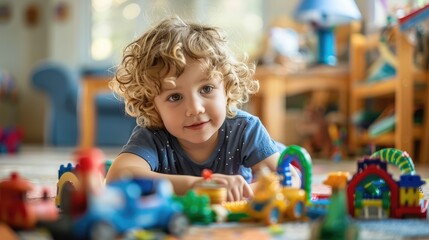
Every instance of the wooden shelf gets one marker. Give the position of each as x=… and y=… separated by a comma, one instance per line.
x=384, y=87
x=402, y=89
x=276, y=84
x=376, y=89
x=387, y=139
x=420, y=76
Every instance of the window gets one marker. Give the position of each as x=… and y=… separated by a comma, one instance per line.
x=115, y=23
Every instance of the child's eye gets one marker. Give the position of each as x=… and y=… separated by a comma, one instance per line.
x=206, y=89
x=174, y=97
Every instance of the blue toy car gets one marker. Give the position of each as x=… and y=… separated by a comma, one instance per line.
x=131, y=204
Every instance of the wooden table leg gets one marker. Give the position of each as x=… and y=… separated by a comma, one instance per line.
x=90, y=88
x=273, y=112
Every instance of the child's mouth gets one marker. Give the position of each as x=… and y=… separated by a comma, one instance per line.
x=196, y=126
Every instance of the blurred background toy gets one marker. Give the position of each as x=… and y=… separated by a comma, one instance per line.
x=10, y=139
x=15, y=208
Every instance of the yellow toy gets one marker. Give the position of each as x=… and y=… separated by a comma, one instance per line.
x=272, y=202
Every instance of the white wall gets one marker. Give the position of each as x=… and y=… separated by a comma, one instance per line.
x=20, y=46
x=66, y=37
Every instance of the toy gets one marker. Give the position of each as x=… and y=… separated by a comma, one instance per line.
x=318, y=208
x=373, y=193
x=129, y=204
x=299, y=157
x=267, y=204
x=398, y=158
x=337, y=137
x=216, y=193
x=274, y=199
x=10, y=139
x=336, y=224
x=17, y=211
x=316, y=203
x=69, y=181
x=271, y=203
x=97, y=211
x=196, y=207
x=415, y=17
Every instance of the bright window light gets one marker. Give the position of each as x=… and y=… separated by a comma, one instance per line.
x=131, y=11
x=101, y=5
x=101, y=48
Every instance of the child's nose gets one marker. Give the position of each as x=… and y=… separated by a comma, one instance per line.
x=195, y=107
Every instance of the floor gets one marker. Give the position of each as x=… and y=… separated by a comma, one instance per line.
x=40, y=166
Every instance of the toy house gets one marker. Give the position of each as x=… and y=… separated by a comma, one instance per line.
x=374, y=193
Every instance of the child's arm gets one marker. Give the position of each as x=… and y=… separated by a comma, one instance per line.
x=271, y=163
x=130, y=165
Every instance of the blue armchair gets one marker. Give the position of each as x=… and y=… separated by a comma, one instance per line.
x=61, y=85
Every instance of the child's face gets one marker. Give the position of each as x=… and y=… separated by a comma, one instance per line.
x=195, y=108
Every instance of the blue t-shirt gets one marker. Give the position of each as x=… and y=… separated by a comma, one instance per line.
x=243, y=142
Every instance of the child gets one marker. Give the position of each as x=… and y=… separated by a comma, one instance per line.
x=184, y=87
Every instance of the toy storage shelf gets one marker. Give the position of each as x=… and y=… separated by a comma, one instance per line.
x=404, y=90
x=387, y=139
x=388, y=86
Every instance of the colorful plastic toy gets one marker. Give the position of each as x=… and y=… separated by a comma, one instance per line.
x=196, y=207
x=336, y=224
x=414, y=18
x=216, y=193
x=397, y=158
x=98, y=211
x=17, y=211
x=316, y=203
x=373, y=193
x=272, y=203
x=10, y=139
x=130, y=204
x=69, y=180
x=299, y=157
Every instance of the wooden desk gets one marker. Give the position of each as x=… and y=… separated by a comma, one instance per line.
x=91, y=86
x=276, y=84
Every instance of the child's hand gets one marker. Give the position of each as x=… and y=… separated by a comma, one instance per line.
x=237, y=188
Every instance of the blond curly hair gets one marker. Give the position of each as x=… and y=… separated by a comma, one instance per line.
x=163, y=49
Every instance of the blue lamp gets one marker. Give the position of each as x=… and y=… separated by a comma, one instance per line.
x=324, y=15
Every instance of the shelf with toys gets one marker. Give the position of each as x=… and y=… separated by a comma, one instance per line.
x=388, y=96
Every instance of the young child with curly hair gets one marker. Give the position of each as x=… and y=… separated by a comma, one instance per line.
x=184, y=87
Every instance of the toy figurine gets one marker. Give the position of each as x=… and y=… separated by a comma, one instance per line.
x=336, y=224
x=272, y=203
x=17, y=211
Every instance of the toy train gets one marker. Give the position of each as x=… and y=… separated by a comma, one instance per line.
x=17, y=210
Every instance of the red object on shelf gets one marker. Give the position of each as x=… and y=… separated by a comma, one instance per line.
x=413, y=18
